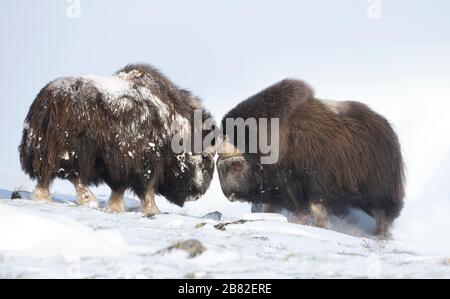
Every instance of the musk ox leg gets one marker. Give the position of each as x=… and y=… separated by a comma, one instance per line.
x=84, y=195
x=148, y=204
x=41, y=193
x=319, y=214
x=382, y=228
x=303, y=218
x=115, y=203
x=257, y=207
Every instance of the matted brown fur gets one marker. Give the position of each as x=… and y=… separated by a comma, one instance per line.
x=337, y=156
x=75, y=129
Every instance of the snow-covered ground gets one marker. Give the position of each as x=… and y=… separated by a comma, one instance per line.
x=63, y=240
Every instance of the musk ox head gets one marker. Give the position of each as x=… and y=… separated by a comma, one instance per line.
x=190, y=177
x=241, y=175
x=190, y=173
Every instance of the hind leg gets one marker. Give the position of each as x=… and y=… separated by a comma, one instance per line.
x=303, y=218
x=319, y=214
x=115, y=203
x=148, y=204
x=42, y=192
x=383, y=224
x=84, y=195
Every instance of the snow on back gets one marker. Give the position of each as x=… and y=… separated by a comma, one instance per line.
x=113, y=86
x=120, y=93
x=181, y=125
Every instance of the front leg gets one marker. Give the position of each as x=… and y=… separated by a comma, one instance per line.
x=319, y=214
x=42, y=193
x=115, y=203
x=148, y=204
x=84, y=195
x=303, y=218
x=382, y=228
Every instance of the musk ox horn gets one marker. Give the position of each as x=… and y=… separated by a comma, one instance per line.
x=210, y=150
x=227, y=150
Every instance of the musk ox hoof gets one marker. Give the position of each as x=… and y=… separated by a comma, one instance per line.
x=41, y=195
x=383, y=236
x=115, y=208
x=216, y=216
x=93, y=204
x=87, y=199
x=301, y=218
x=149, y=211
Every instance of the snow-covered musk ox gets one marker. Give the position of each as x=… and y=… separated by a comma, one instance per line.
x=116, y=130
x=332, y=156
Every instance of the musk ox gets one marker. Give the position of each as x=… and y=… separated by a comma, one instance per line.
x=115, y=130
x=332, y=156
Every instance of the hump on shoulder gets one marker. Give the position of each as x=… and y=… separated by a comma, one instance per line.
x=287, y=96
x=278, y=100
x=289, y=91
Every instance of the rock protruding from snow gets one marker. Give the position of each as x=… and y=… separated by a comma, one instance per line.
x=216, y=216
x=192, y=247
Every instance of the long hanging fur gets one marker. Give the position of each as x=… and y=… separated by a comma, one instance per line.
x=113, y=129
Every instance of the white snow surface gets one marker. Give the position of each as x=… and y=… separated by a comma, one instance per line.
x=62, y=240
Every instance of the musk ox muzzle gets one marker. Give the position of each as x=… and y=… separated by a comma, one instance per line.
x=234, y=174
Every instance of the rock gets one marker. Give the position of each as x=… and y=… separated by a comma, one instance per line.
x=192, y=247
x=16, y=195
x=221, y=226
x=200, y=225
x=213, y=216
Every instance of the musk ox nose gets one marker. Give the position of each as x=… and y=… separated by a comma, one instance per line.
x=193, y=198
x=198, y=188
x=234, y=175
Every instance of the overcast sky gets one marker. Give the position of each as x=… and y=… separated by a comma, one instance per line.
x=225, y=51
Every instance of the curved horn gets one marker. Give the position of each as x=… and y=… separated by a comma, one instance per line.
x=227, y=150
x=210, y=150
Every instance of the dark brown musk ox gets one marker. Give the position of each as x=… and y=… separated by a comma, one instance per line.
x=332, y=156
x=115, y=130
